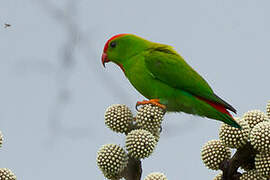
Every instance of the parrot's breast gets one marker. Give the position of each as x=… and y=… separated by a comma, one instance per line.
x=144, y=82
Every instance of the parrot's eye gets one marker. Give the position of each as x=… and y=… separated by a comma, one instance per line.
x=113, y=44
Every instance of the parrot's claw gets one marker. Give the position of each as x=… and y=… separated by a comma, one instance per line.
x=151, y=101
x=136, y=107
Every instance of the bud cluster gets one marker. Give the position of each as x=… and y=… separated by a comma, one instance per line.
x=254, y=132
x=5, y=174
x=156, y=176
x=141, y=137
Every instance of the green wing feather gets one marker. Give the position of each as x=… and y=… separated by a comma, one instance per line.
x=168, y=66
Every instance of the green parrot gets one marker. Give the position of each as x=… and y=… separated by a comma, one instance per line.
x=161, y=75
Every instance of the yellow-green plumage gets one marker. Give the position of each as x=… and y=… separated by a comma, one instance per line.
x=159, y=72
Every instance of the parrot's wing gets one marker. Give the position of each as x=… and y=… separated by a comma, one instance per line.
x=169, y=67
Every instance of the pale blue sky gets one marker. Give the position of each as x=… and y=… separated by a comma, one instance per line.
x=54, y=90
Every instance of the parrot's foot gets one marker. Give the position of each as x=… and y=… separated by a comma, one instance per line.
x=151, y=101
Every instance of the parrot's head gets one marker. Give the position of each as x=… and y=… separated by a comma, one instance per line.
x=121, y=47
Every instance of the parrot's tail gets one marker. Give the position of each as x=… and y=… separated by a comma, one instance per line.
x=228, y=118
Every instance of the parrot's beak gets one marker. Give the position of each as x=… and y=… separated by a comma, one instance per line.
x=104, y=59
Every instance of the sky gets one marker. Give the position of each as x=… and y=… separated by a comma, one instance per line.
x=54, y=90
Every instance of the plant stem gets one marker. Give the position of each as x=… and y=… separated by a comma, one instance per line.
x=133, y=171
x=242, y=156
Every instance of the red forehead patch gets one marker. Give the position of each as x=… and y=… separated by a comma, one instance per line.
x=112, y=38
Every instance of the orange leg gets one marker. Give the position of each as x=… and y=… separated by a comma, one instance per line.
x=151, y=101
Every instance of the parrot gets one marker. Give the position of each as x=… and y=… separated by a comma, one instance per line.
x=162, y=76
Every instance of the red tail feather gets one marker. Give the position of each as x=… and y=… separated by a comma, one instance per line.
x=217, y=106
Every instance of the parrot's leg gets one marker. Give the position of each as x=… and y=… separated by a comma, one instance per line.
x=155, y=102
